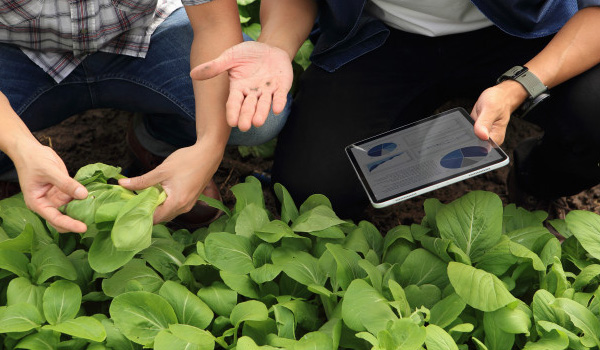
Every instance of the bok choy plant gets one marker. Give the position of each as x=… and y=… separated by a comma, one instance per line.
x=474, y=274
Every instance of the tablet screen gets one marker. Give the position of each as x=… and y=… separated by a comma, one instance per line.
x=427, y=154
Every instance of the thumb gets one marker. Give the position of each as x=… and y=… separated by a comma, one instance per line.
x=482, y=130
x=213, y=68
x=482, y=126
x=140, y=182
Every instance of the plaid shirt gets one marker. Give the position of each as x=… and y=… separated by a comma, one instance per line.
x=58, y=34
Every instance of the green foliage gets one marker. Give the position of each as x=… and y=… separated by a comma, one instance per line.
x=472, y=275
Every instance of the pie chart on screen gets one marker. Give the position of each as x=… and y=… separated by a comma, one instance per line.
x=463, y=157
x=382, y=149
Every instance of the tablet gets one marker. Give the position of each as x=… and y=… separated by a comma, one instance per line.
x=422, y=156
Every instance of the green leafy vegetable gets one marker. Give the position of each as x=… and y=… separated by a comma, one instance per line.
x=472, y=275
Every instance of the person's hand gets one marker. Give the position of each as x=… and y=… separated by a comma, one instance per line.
x=259, y=75
x=493, y=109
x=183, y=176
x=46, y=185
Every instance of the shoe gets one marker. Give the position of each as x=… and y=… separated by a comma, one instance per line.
x=9, y=189
x=201, y=214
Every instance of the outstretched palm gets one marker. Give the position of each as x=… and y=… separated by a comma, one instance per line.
x=259, y=75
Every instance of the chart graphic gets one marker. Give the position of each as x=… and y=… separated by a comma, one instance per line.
x=463, y=157
x=382, y=149
x=371, y=166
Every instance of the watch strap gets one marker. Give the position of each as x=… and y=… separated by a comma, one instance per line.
x=529, y=104
x=532, y=84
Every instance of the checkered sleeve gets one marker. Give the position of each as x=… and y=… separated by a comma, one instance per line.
x=194, y=2
x=14, y=12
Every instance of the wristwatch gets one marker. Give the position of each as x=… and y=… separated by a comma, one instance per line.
x=533, y=85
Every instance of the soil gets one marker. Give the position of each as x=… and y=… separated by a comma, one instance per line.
x=99, y=136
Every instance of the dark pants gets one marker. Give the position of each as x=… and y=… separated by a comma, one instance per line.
x=406, y=80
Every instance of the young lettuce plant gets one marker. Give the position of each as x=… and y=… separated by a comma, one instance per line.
x=472, y=275
x=120, y=220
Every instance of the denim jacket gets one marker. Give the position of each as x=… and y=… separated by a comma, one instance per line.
x=345, y=32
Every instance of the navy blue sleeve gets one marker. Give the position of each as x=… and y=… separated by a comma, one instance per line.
x=587, y=3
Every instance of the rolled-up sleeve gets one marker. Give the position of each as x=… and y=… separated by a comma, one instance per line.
x=587, y=3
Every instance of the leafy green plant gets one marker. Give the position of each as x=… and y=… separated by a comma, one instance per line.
x=474, y=274
x=111, y=211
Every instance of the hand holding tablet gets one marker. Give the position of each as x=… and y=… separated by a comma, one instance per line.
x=422, y=156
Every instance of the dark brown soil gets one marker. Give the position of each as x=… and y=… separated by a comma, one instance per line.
x=99, y=136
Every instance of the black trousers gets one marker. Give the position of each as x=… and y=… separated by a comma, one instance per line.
x=406, y=80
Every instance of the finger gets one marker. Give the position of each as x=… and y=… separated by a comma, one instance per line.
x=167, y=211
x=279, y=101
x=62, y=223
x=487, y=128
x=262, y=110
x=213, y=68
x=233, y=107
x=69, y=185
x=483, y=125
x=57, y=197
x=247, y=112
x=162, y=213
x=497, y=135
x=141, y=182
x=481, y=131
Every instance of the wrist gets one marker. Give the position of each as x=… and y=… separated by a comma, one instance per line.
x=23, y=147
x=211, y=145
x=275, y=42
x=534, y=88
x=12, y=126
x=515, y=94
x=16, y=139
x=216, y=138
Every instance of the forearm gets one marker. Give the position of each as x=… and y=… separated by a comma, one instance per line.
x=573, y=50
x=216, y=28
x=14, y=134
x=286, y=23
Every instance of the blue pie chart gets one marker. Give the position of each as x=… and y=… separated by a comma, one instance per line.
x=381, y=149
x=463, y=157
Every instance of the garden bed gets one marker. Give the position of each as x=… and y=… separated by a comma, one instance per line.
x=468, y=273
x=99, y=136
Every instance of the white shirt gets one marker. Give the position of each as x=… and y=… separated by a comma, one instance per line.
x=429, y=17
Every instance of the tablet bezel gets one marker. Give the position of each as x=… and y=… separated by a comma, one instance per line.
x=430, y=186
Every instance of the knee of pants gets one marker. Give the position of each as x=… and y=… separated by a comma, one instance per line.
x=573, y=107
x=571, y=125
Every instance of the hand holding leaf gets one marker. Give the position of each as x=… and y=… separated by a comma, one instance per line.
x=46, y=186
